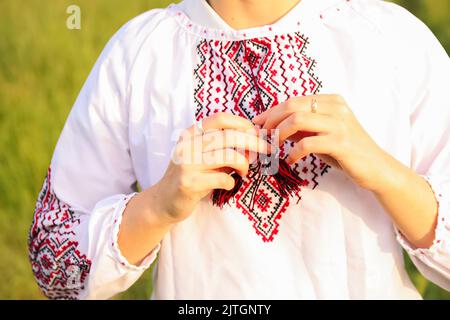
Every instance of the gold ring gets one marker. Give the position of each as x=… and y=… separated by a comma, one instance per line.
x=314, y=105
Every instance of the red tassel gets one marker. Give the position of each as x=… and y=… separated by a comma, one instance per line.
x=221, y=197
x=287, y=180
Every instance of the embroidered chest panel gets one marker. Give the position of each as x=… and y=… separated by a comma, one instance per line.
x=246, y=77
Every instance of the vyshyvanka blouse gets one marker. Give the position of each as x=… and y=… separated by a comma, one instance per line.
x=169, y=68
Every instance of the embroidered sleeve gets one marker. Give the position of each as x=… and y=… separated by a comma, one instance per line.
x=423, y=71
x=73, y=238
x=57, y=250
x=60, y=268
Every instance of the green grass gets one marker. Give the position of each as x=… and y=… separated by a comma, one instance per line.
x=42, y=68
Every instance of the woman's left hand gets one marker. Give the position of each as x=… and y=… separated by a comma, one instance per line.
x=332, y=132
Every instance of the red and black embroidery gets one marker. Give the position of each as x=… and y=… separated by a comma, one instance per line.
x=59, y=267
x=245, y=78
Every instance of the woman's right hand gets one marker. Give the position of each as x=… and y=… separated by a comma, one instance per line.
x=202, y=162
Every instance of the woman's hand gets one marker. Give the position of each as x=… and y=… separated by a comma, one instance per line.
x=333, y=133
x=202, y=162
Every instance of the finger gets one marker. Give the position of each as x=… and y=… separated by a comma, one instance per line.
x=227, y=121
x=222, y=120
x=190, y=149
x=208, y=181
x=304, y=121
x=261, y=118
x=279, y=113
x=272, y=117
x=215, y=140
x=218, y=180
x=306, y=146
x=225, y=158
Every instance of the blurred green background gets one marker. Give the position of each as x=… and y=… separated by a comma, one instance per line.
x=42, y=68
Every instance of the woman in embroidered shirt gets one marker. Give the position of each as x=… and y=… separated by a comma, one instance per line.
x=357, y=92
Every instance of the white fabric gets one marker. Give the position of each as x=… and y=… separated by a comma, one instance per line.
x=337, y=243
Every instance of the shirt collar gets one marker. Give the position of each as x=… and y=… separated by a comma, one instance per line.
x=201, y=13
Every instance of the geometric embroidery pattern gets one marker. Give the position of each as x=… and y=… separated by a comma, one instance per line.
x=245, y=78
x=59, y=267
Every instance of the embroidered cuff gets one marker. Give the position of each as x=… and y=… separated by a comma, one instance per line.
x=117, y=220
x=442, y=231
